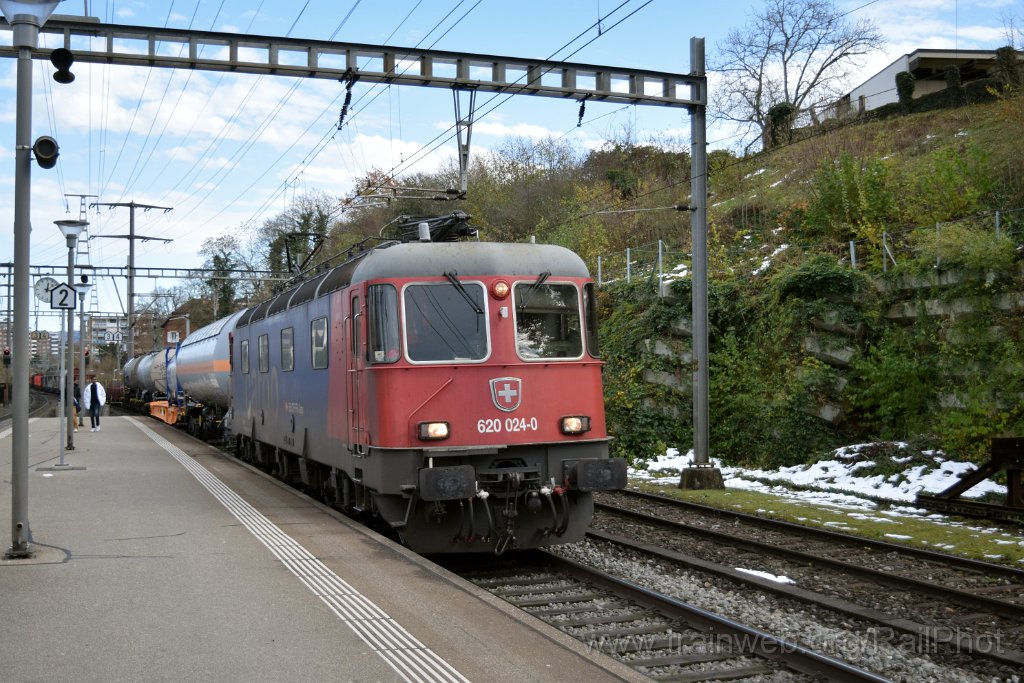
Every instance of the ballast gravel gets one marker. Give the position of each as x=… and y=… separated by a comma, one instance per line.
x=898, y=657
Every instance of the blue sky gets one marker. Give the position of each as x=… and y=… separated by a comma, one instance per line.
x=229, y=151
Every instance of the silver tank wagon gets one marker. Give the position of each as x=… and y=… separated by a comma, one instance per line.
x=202, y=365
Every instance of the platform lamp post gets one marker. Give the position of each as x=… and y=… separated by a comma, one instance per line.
x=71, y=230
x=26, y=17
x=83, y=289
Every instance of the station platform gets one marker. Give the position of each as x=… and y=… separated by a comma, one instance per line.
x=158, y=558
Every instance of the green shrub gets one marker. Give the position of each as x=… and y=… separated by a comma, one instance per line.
x=959, y=245
x=639, y=414
x=896, y=380
x=851, y=199
x=989, y=392
x=818, y=276
x=951, y=184
x=905, y=83
x=773, y=397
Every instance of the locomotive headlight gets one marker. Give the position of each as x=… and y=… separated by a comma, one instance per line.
x=575, y=424
x=500, y=289
x=433, y=431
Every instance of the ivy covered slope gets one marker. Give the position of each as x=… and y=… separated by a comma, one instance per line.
x=865, y=283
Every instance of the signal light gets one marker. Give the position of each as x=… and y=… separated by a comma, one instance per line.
x=46, y=150
x=7, y=356
x=86, y=354
x=500, y=289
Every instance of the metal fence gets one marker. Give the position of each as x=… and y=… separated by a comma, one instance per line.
x=898, y=247
x=659, y=262
x=654, y=261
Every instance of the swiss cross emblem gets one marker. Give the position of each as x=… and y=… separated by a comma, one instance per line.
x=507, y=393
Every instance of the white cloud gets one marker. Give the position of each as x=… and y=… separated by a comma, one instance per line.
x=523, y=130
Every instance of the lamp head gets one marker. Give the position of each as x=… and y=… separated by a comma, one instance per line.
x=62, y=59
x=39, y=10
x=71, y=230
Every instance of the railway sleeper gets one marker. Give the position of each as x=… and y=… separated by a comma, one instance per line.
x=648, y=629
x=599, y=619
x=669, y=643
x=589, y=608
x=527, y=589
x=589, y=601
x=734, y=674
x=501, y=581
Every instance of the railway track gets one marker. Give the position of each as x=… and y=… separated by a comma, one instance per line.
x=41, y=404
x=658, y=636
x=940, y=600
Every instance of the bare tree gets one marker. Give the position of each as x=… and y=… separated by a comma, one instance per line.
x=1013, y=32
x=293, y=238
x=220, y=253
x=798, y=53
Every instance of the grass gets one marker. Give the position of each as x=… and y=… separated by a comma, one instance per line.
x=978, y=539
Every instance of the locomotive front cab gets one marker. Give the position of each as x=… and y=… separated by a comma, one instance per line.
x=452, y=389
x=488, y=388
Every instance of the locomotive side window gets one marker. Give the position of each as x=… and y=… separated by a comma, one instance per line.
x=590, y=318
x=382, y=324
x=547, y=321
x=318, y=342
x=243, y=352
x=264, y=352
x=354, y=336
x=445, y=322
x=287, y=350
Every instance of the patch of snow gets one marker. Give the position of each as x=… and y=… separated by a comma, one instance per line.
x=766, y=575
x=834, y=485
x=839, y=474
x=766, y=263
x=901, y=537
x=871, y=518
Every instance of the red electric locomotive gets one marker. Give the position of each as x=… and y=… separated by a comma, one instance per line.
x=452, y=388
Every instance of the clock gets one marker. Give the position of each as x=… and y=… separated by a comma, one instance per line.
x=43, y=286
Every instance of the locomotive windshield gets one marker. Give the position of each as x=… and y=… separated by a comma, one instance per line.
x=547, y=320
x=443, y=322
